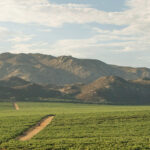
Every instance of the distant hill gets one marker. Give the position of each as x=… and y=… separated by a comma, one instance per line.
x=15, y=88
x=46, y=69
x=13, y=81
x=105, y=90
x=115, y=90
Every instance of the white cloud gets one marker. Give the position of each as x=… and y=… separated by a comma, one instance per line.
x=45, y=30
x=133, y=37
x=3, y=29
x=54, y=15
x=18, y=38
x=29, y=48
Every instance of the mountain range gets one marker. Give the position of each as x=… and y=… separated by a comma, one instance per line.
x=26, y=77
x=105, y=90
x=47, y=69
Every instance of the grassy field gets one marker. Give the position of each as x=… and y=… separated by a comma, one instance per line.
x=76, y=127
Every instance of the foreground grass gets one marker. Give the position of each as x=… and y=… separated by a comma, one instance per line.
x=77, y=126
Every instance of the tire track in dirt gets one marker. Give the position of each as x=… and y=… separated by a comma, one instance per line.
x=35, y=129
x=16, y=106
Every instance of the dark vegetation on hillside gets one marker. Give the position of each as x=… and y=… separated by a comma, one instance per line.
x=105, y=90
x=115, y=90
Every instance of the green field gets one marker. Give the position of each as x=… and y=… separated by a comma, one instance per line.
x=76, y=127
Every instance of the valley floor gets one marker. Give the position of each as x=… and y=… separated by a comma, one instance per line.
x=75, y=126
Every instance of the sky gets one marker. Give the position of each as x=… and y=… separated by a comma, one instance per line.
x=113, y=31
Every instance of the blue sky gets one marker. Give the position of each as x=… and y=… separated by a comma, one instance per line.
x=114, y=31
x=106, y=5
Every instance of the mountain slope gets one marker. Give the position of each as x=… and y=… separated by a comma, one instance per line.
x=105, y=90
x=13, y=81
x=46, y=69
x=115, y=90
x=15, y=88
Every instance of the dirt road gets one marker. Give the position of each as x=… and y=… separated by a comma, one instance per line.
x=16, y=106
x=36, y=129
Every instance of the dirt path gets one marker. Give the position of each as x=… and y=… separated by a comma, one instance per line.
x=16, y=106
x=36, y=129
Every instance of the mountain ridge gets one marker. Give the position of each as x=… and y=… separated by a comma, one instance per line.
x=115, y=90
x=47, y=69
x=104, y=90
